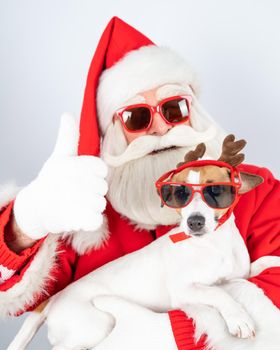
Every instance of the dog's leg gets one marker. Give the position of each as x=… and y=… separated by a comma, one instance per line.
x=237, y=319
x=263, y=263
x=27, y=331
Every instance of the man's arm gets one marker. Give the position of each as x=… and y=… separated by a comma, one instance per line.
x=31, y=269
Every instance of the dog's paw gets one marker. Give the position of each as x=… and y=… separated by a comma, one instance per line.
x=240, y=324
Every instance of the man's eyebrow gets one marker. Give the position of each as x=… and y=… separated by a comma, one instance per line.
x=170, y=90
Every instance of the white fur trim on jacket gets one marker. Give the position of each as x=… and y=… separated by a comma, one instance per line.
x=22, y=294
x=140, y=70
x=263, y=312
x=83, y=241
x=7, y=193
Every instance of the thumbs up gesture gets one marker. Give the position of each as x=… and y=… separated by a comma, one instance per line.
x=68, y=194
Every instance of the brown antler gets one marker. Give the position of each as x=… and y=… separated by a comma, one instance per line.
x=230, y=151
x=194, y=155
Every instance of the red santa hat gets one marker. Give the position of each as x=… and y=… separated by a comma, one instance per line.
x=125, y=63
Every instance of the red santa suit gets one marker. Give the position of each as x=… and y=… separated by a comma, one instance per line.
x=28, y=278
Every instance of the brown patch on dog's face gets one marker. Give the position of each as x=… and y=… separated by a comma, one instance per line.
x=212, y=173
x=207, y=174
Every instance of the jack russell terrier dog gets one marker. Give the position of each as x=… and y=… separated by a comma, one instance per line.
x=207, y=242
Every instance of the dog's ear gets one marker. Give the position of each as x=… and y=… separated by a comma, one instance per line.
x=249, y=182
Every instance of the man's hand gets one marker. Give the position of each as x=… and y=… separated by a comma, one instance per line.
x=68, y=194
x=136, y=327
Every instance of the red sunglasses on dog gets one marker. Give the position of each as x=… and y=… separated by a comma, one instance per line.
x=218, y=195
x=139, y=117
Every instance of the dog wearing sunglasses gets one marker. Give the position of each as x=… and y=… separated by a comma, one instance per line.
x=185, y=266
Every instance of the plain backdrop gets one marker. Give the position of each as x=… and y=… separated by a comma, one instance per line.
x=46, y=48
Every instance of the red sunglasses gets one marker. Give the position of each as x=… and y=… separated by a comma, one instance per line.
x=218, y=195
x=139, y=117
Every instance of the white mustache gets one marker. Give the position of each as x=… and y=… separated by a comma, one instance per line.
x=179, y=136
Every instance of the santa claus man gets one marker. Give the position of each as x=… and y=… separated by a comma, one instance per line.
x=140, y=115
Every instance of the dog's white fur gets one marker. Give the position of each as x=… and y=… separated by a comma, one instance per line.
x=161, y=276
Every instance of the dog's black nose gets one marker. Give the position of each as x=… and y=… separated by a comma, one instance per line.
x=196, y=222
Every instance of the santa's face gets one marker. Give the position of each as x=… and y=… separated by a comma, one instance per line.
x=137, y=159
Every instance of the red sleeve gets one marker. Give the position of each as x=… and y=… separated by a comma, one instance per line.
x=183, y=330
x=263, y=235
x=10, y=262
x=29, y=278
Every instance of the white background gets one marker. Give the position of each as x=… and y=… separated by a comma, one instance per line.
x=46, y=48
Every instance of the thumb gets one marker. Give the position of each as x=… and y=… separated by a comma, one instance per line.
x=68, y=137
x=115, y=306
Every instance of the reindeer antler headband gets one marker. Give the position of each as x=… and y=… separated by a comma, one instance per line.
x=229, y=158
x=230, y=152
x=194, y=155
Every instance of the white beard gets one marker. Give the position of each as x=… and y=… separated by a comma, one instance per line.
x=133, y=171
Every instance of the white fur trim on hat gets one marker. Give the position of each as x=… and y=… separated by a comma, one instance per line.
x=137, y=71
